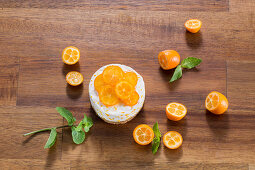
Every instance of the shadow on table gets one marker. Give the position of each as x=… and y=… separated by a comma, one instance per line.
x=67, y=68
x=166, y=76
x=219, y=125
x=193, y=40
x=74, y=92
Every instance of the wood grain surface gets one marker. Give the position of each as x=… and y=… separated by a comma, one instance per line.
x=32, y=81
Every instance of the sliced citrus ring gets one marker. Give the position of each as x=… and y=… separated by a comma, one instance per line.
x=131, y=77
x=216, y=103
x=107, y=96
x=99, y=82
x=70, y=55
x=132, y=100
x=175, y=111
x=143, y=134
x=112, y=75
x=124, y=90
x=193, y=25
x=172, y=140
x=74, y=78
x=168, y=59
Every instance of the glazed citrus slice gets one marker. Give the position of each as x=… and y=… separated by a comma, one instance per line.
x=70, y=55
x=107, y=96
x=172, y=140
x=168, y=59
x=175, y=111
x=131, y=77
x=112, y=75
x=216, y=103
x=132, y=100
x=124, y=90
x=143, y=134
x=74, y=78
x=99, y=82
x=193, y=25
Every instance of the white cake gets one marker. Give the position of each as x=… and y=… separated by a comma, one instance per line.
x=119, y=113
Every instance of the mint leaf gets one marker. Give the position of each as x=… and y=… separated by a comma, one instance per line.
x=156, y=140
x=78, y=136
x=87, y=122
x=52, y=138
x=177, y=73
x=190, y=62
x=156, y=130
x=80, y=126
x=66, y=114
x=155, y=145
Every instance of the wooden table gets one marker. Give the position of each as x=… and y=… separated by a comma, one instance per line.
x=32, y=81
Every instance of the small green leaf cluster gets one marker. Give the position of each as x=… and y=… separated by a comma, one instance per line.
x=157, y=138
x=188, y=63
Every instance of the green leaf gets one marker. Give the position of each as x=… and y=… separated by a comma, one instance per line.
x=78, y=136
x=67, y=115
x=156, y=130
x=87, y=122
x=190, y=62
x=155, y=145
x=52, y=138
x=177, y=73
x=80, y=126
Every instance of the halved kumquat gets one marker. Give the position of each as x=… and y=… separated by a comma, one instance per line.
x=131, y=77
x=175, y=111
x=74, y=78
x=143, y=134
x=193, y=25
x=172, y=140
x=107, y=96
x=124, y=90
x=112, y=75
x=168, y=59
x=70, y=55
x=216, y=103
x=131, y=100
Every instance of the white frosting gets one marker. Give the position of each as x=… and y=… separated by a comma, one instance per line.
x=119, y=113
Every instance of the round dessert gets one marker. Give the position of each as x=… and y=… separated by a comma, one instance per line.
x=117, y=93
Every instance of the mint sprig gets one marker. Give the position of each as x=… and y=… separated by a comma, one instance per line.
x=188, y=63
x=78, y=133
x=157, y=137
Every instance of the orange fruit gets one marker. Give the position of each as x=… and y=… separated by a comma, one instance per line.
x=112, y=75
x=107, y=96
x=172, y=140
x=193, y=25
x=131, y=77
x=74, y=78
x=124, y=89
x=99, y=82
x=216, y=103
x=143, y=134
x=168, y=59
x=70, y=55
x=132, y=100
x=175, y=111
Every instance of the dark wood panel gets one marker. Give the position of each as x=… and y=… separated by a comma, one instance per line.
x=9, y=75
x=31, y=164
x=163, y=5
x=17, y=121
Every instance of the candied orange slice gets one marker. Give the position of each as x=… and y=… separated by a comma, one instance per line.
x=74, y=78
x=175, y=111
x=131, y=77
x=216, y=103
x=143, y=134
x=132, y=100
x=70, y=55
x=99, y=82
x=172, y=140
x=112, y=75
x=124, y=89
x=193, y=25
x=107, y=96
